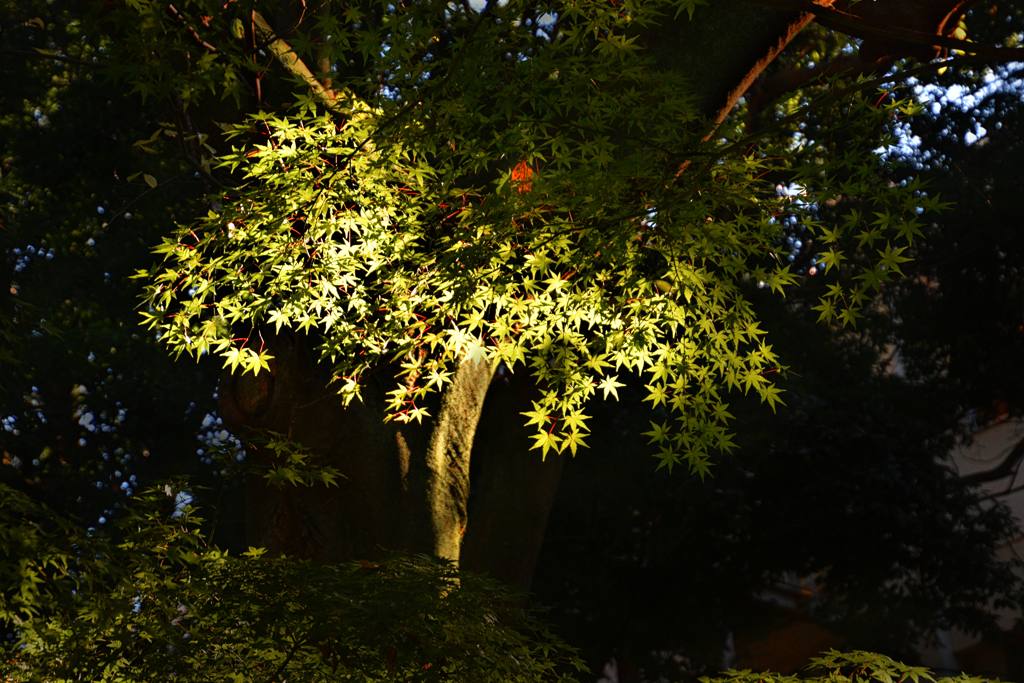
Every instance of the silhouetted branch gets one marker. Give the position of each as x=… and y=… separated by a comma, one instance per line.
x=1004, y=469
x=864, y=28
x=47, y=55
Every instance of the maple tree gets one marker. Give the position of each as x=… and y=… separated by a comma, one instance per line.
x=379, y=234
x=404, y=200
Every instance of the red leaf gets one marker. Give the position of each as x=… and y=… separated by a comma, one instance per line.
x=521, y=176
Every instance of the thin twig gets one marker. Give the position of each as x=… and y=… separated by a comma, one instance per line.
x=46, y=55
x=179, y=126
x=288, y=658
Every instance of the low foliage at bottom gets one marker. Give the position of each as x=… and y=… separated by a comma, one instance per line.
x=151, y=600
x=848, y=667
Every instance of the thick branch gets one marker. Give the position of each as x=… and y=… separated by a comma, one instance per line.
x=1002, y=470
x=862, y=27
x=721, y=70
x=835, y=95
x=340, y=102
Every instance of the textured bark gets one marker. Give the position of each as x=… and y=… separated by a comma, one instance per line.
x=406, y=485
x=514, y=488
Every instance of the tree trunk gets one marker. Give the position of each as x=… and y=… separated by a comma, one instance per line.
x=406, y=485
x=514, y=488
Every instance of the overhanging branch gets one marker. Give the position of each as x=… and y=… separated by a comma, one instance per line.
x=340, y=102
x=864, y=28
x=41, y=54
x=1004, y=469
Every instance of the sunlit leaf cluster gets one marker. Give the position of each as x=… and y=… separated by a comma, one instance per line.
x=500, y=193
x=848, y=667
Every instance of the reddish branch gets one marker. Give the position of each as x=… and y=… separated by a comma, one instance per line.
x=898, y=28
x=889, y=30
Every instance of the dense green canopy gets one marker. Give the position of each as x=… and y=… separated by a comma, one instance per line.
x=502, y=193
